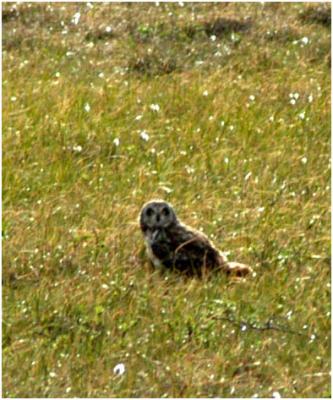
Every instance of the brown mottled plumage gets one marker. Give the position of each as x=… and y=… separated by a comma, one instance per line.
x=173, y=245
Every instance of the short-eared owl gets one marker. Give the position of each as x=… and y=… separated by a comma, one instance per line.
x=173, y=245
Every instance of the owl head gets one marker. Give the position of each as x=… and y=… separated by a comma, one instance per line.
x=157, y=214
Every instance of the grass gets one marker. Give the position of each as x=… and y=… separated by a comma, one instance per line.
x=240, y=146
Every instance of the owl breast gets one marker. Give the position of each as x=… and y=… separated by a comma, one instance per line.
x=156, y=261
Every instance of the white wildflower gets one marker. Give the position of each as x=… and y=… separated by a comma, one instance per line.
x=252, y=97
x=76, y=18
x=116, y=141
x=155, y=107
x=108, y=29
x=87, y=107
x=213, y=38
x=310, y=98
x=305, y=40
x=205, y=93
x=276, y=395
x=304, y=160
x=144, y=136
x=301, y=115
x=119, y=369
x=77, y=148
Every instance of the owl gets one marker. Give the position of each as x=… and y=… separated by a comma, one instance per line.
x=173, y=245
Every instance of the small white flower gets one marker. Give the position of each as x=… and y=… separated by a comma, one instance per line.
x=244, y=327
x=101, y=75
x=138, y=117
x=181, y=4
x=276, y=395
x=105, y=286
x=261, y=209
x=87, y=107
x=77, y=149
x=310, y=98
x=213, y=38
x=296, y=95
x=155, y=107
x=189, y=170
x=108, y=29
x=119, y=369
x=52, y=374
x=252, y=97
x=222, y=123
x=68, y=389
x=304, y=160
x=57, y=74
x=76, y=18
x=205, y=93
x=144, y=136
x=13, y=99
x=226, y=160
x=305, y=40
x=116, y=142
x=166, y=189
x=293, y=102
x=301, y=115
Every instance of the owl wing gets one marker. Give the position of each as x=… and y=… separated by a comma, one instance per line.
x=193, y=251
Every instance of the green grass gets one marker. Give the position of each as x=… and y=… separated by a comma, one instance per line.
x=252, y=172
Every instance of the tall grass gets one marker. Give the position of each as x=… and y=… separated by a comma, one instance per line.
x=239, y=144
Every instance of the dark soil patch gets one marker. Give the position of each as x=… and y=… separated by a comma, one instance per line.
x=224, y=26
x=318, y=15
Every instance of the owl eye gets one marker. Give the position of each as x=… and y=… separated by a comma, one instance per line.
x=165, y=211
x=149, y=212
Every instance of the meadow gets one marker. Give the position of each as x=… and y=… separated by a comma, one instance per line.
x=222, y=109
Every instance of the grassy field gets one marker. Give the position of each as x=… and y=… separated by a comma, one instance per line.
x=221, y=109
